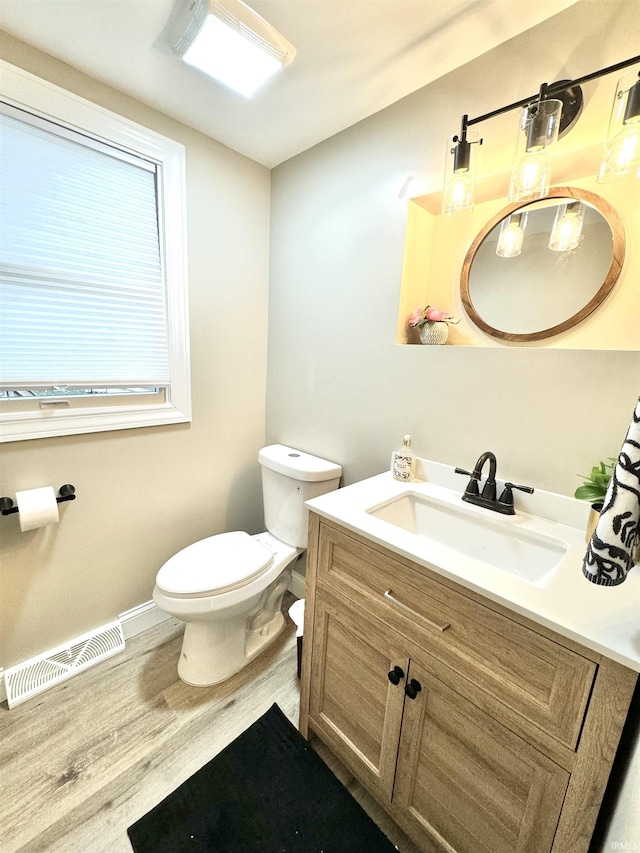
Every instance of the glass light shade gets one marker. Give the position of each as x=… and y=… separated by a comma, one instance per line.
x=567, y=227
x=621, y=158
x=511, y=235
x=461, y=168
x=537, y=132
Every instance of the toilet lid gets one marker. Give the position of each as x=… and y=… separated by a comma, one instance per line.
x=214, y=565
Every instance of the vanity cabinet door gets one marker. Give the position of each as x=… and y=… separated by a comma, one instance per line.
x=529, y=674
x=354, y=704
x=465, y=779
x=508, y=745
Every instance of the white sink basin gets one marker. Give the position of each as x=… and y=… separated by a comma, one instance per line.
x=498, y=542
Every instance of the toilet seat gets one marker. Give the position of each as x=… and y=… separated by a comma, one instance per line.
x=214, y=565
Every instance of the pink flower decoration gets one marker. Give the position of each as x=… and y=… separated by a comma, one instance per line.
x=415, y=317
x=434, y=314
x=420, y=317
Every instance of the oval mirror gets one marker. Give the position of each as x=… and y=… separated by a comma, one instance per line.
x=537, y=269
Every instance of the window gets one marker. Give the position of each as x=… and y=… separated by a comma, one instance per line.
x=93, y=301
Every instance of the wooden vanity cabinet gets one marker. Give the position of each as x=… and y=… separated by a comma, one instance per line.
x=477, y=730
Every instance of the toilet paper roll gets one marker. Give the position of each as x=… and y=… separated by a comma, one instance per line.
x=37, y=508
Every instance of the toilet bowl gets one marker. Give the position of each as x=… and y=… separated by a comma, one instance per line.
x=232, y=613
x=228, y=588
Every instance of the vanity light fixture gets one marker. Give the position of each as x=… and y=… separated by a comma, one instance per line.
x=230, y=42
x=621, y=158
x=511, y=235
x=567, y=227
x=546, y=117
x=460, y=172
x=537, y=131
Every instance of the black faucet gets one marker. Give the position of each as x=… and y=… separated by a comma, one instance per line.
x=487, y=497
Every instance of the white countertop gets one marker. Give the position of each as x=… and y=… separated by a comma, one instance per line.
x=604, y=619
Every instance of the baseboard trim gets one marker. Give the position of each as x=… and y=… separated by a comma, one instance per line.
x=139, y=618
x=297, y=584
x=146, y=615
x=134, y=621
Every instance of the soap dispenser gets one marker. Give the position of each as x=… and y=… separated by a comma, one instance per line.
x=403, y=462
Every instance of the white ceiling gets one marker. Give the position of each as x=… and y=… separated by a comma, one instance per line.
x=354, y=57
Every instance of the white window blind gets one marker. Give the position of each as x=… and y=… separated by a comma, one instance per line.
x=82, y=291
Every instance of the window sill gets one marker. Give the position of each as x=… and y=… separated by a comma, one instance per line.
x=21, y=426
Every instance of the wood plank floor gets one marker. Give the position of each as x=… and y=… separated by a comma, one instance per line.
x=84, y=760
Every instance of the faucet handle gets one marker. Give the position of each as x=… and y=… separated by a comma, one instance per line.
x=507, y=496
x=528, y=489
x=472, y=485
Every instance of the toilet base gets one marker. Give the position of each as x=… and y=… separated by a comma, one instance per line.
x=199, y=666
x=214, y=650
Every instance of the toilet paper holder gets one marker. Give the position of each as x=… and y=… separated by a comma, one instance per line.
x=65, y=493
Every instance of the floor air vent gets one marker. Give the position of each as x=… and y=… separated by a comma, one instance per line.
x=33, y=676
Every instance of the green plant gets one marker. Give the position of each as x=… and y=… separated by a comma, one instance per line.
x=595, y=486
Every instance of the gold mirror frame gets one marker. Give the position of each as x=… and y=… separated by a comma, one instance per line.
x=617, y=231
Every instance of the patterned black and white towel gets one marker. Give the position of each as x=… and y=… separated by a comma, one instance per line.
x=611, y=551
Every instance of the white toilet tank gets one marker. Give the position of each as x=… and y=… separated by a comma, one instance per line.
x=289, y=478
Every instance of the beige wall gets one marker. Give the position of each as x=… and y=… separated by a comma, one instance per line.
x=143, y=494
x=338, y=384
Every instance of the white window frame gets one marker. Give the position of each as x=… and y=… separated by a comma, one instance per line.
x=25, y=91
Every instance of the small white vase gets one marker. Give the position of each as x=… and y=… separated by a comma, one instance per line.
x=434, y=333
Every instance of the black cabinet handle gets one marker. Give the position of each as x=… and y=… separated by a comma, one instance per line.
x=413, y=688
x=395, y=675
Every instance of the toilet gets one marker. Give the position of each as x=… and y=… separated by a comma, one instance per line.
x=228, y=588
